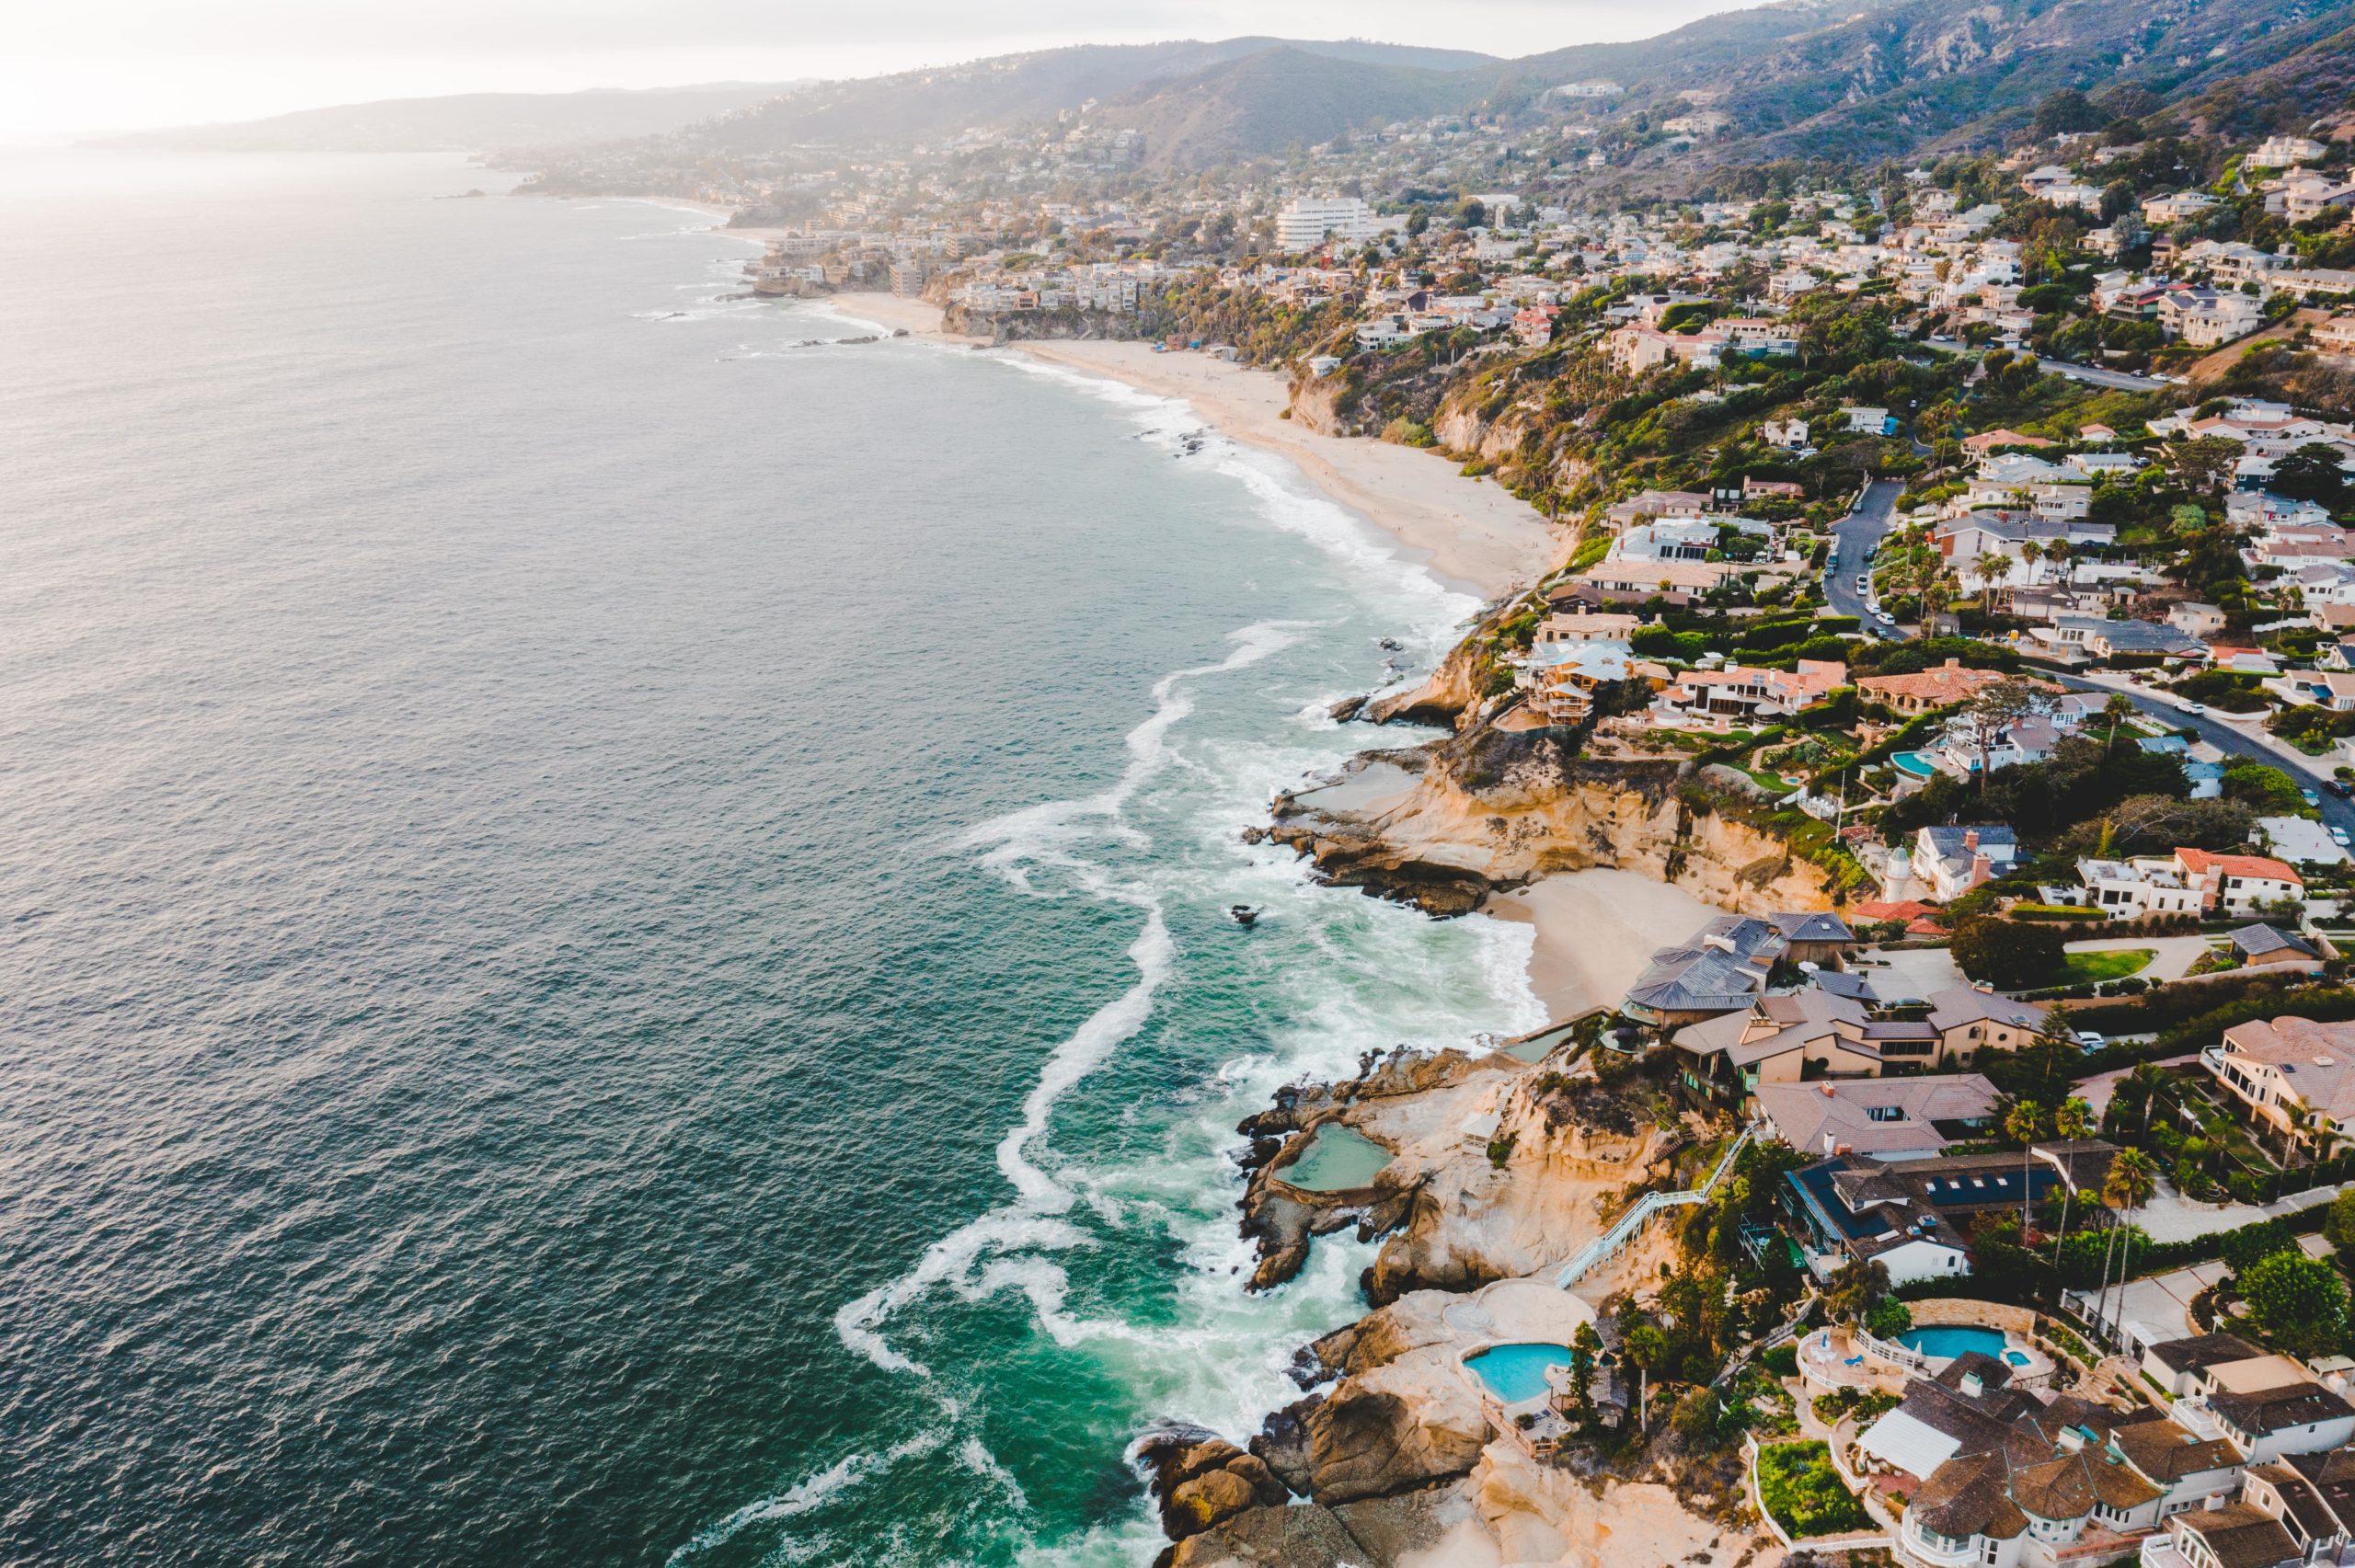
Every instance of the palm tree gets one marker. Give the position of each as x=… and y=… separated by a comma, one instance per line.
x=2149, y=1076
x=2132, y=1179
x=2031, y=551
x=2057, y=551
x=1991, y=567
x=2024, y=1121
x=2072, y=1120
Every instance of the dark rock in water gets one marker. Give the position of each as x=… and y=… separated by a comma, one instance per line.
x=1200, y=1479
x=1390, y=644
x=1255, y=835
x=1347, y=856
x=1345, y=709
x=899, y=332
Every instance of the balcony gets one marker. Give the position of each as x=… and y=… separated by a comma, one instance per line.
x=2159, y=1552
x=1925, y=1550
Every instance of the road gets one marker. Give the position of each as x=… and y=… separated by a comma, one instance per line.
x=2230, y=738
x=2094, y=375
x=1854, y=537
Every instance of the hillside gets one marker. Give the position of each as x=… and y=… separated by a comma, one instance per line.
x=1278, y=97
x=465, y=121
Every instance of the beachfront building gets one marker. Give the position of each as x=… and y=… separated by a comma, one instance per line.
x=1725, y=967
x=1796, y=1039
x=1561, y=678
x=1970, y=1021
x=2238, y=884
x=2292, y=1076
x=1584, y=625
x=1741, y=696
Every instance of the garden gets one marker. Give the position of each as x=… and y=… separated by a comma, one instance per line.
x=1802, y=1492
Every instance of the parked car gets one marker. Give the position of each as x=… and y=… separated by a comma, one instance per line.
x=2310, y=797
x=1864, y=585
x=2338, y=837
x=2090, y=1042
x=2341, y=788
x=1885, y=618
x=2195, y=707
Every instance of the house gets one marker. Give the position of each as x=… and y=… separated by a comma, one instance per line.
x=1789, y=434
x=2312, y=1497
x=1561, y=677
x=1584, y=625
x=1728, y=699
x=1869, y=421
x=1986, y=441
x=1724, y=967
x=2281, y=152
x=2232, y=1536
x=1968, y=1023
x=1678, y=581
x=2175, y=1365
x=2270, y=947
x=2293, y=1416
x=1795, y=1038
x=2160, y=211
x=2128, y=890
x=1943, y=687
x=2000, y=1479
x=2238, y=884
x=2291, y=1075
x=1885, y=1119
x=2110, y=639
x=1954, y=860
x=2194, y=619
x=1912, y=1216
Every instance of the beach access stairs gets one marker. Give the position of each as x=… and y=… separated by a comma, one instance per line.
x=1625, y=1229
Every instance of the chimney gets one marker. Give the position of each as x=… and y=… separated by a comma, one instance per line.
x=1954, y=664
x=1827, y=1090
x=1970, y=838
x=1981, y=868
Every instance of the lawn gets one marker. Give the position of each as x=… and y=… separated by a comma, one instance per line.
x=2092, y=968
x=1804, y=1493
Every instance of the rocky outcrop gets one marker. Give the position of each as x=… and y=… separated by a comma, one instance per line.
x=1401, y=1427
x=1317, y=405
x=1494, y=809
x=1440, y=698
x=1201, y=1479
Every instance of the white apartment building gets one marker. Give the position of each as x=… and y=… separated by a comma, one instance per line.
x=1307, y=222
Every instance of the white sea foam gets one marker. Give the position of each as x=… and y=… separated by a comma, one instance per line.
x=838, y=1477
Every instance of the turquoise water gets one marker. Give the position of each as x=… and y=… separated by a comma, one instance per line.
x=1946, y=1341
x=1913, y=762
x=1338, y=1158
x=1516, y=1372
x=612, y=935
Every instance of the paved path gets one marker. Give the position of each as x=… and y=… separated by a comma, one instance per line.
x=2096, y=1091
x=2173, y=955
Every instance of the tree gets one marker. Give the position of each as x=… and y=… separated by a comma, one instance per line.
x=1992, y=710
x=1852, y=1291
x=2297, y=1300
x=2132, y=1180
x=2310, y=474
x=2007, y=954
x=2022, y=1123
x=2067, y=109
x=2339, y=1228
x=2072, y=1120
x=1991, y=567
x=2204, y=462
x=2117, y=710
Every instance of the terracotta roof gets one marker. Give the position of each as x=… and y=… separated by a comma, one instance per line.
x=2257, y=865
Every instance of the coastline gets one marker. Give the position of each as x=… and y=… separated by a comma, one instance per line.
x=1472, y=535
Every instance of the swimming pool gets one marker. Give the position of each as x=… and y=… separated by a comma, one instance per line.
x=1913, y=762
x=1944, y=1341
x=1338, y=1159
x=1516, y=1372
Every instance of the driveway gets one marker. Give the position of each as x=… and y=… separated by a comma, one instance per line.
x=2176, y=953
x=1913, y=973
x=2159, y=1308
x=2096, y=1091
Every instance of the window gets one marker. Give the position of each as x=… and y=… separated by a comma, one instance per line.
x=1885, y=1113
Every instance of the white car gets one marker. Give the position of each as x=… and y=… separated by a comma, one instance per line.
x=2338, y=837
x=1864, y=585
x=2090, y=1042
x=2195, y=707
x=1885, y=618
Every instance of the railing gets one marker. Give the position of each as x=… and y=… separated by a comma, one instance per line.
x=1889, y=1350
x=1628, y=1225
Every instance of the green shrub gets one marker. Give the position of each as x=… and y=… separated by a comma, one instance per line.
x=1804, y=1494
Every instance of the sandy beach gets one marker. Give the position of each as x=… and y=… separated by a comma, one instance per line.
x=1596, y=932
x=1470, y=532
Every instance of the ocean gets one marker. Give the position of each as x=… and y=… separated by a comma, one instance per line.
x=611, y=936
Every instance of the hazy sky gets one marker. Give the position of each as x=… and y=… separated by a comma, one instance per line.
x=90, y=64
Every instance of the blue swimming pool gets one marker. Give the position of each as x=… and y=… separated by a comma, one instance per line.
x=1913, y=762
x=1944, y=1341
x=1516, y=1372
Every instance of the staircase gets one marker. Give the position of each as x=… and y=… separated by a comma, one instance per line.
x=1625, y=1229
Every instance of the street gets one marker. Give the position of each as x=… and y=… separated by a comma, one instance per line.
x=2230, y=739
x=2094, y=375
x=1853, y=539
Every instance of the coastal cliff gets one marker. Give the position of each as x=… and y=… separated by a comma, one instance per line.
x=1496, y=809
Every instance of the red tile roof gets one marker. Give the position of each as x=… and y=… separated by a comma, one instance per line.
x=2257, y=865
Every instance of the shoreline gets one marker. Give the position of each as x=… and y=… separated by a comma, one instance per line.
x=1473, y=535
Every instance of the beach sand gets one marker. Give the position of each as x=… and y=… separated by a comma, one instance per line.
x=1470, y=532
x=1596, y=932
